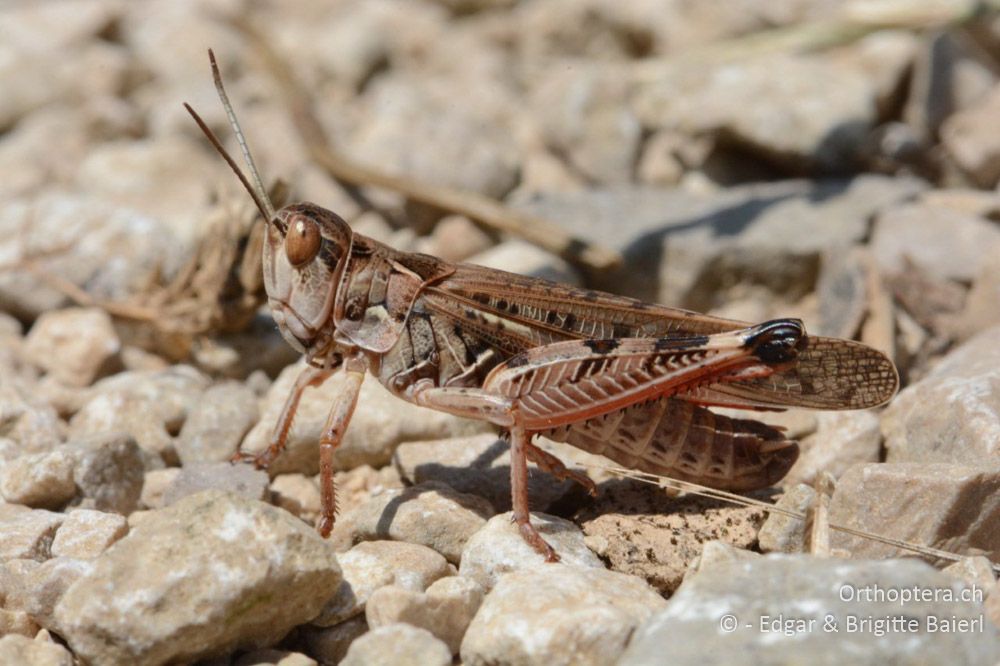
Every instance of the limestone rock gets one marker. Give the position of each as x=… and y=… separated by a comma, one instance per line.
x=951, y=507
x=76, y=345
x=109, y=472
x=498, y=548
x=430, y=514
x=841, y=439
x=238, y=479
x=558, y=614
x=330, y=644
x=944, y=243
x=299, y=495
x=397, y=645
x=374, y=564
x=147, y=405
x=970, y=141
x=16, y=649
x=217, y=424
x=27, y=533
x=794, y=119
x=641, y=531
x=445, y=609
x=110, y=251
x=785, y=534
x=218, y=570
x=155, y=485
x=29, y=425
x=38, y=590
x=39, y=480
x=773, y=609
x=689, y=249
x=953, y=413
x=87, y=533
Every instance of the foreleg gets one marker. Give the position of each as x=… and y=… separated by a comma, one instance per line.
x=333, y=432
x=309, y=376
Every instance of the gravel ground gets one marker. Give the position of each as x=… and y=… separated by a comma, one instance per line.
x=849, y=178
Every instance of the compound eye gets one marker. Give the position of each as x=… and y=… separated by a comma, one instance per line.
x=302, y=241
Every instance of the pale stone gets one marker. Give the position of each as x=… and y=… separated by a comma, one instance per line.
x=146, y=405
x=109, y=472
x=952, y=507
x=299, y=495
x=240, y=479
x=40, y=480
x=787, y=534
x=75, y=345
x=499, y=549
x=86, y=533
x=222, y=571
x=445, y=609
x=38, y=590
x=17, y=622
x=155, y=485
x=431, y=514
x=374, y=564
x=27, y=533
x=558, y=614
x=330, y=644
x=397, y=645
x=16, y=649
x=953, y=413
x=736, y=609
x=217, y=424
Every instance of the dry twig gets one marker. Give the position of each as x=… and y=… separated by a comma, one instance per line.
x=483, y=210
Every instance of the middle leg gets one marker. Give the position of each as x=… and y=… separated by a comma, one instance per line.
x=520, y=441
x=551, y=464
x=479, y=404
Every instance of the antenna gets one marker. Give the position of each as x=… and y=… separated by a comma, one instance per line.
x=256, y=191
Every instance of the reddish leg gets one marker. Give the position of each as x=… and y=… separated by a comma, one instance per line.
x=333, y=431
x=520, y=440
x=310, y=376
x=479, y=404
x=549, y=463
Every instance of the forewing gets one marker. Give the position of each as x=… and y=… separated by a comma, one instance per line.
x=569, y=381
x=830, y=373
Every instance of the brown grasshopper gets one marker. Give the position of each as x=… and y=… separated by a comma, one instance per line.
x=612, y=375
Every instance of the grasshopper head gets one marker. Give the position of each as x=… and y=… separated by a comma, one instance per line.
x=303, y=253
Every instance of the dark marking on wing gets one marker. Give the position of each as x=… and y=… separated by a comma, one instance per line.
x=686, y=342
x=517, y=361
x=602, y=346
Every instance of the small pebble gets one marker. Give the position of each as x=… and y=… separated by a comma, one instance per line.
x=227, y=477
x=86, y=533
x=75, y=345
x=27, y=533
x=498, y=548
x=374, y=564
x=41, y=480
x=397, y=645
x=431, y=514
x=445, y=609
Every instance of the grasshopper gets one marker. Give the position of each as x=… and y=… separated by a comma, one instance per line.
x=615, y=376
